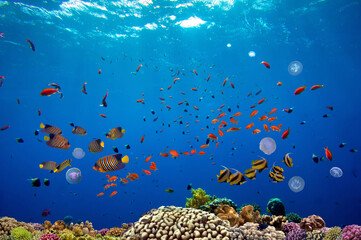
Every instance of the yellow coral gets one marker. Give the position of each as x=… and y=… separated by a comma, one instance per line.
x=77, y=231
x=67, y=236
x=199, y=198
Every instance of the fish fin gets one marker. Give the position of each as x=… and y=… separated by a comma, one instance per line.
x=125, y=159
x=46, y=138
x=123, y=130
x=55, y=170
x=102, y=144
x=42, y=125
x=41, y=165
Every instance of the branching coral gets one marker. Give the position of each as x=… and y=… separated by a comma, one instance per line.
x=333, y=233
x=199, y=198
x=20, y=233
x=312, y=223
x=351, y=232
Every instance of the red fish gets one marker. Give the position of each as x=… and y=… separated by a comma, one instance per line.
x=99, y=71
x=170, y=86
x=148, y=158
x=194, y=89
x=49, y=91
x=202, y=153
x=195, y=72
x=212, y=136
x=139, y=67
x=113, y=193
x=176, y=79
x=266, y=64
x=316, y=87
x=45, y=213
x=221, y=115
x=39, y=112
x=272, y=111
x=209, y=77
x=328, y=154
x=266, y=127
x=299, y=90
x=193, y=151
x=32, y=46
x=174, y=153
x=232, y=120
x=147, y=172
x=84, y=89
x=232, y=85
x=279, y=84
x=285, y=134
x=168, y=107
x=142, y=139
x=224, y=82
x=104, y=103
x=253, y=113
x=261, y=101
x=196, y=108
x=253, y=106
x=103, y=115
x=220, y=132
x=4, y=128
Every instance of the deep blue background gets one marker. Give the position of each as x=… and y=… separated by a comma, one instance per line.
x=323, y=35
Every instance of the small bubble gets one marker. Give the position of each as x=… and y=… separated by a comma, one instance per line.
x=251, y=54
x=229, y=45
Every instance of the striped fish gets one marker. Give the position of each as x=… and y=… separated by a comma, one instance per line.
x=62, y=166
x=115, y=133
x=57, y=141
x=260, y=165
x=223, y=175
x=236, y=178
x=50, y=129
x=111, y=163
x=96, y=146
x=250, y=173
x=49, y=165
x=79, y=130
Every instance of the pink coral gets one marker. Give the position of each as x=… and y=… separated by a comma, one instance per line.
x=288, y=227
x=351, y=232
x=103, y=231
x=49, y=236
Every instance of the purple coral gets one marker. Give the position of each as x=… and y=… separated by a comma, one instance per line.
x=288, y=227
x=37, y=226
x=103, y=231
x=297, y=234
x=351, y=232
x=49, y=236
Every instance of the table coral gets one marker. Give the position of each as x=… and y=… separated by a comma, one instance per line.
x=275, y=207
x=333, y=233
x=288, y=227
x=297, y=234
x=229, y=214
x=351, y=232
x=20, y=233
x=178, y=223
x=7, y=224
x=250, y=231
x=199, y=198
x=312, y=223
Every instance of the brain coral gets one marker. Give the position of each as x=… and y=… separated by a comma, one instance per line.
x=312, y=223
x=20, y=233
x=178, y=223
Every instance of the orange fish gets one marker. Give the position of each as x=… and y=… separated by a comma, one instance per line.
x=202, y=153
x=170, y=86
x=180, y=103
x=195, y=72
x=193, y=151
x=49, y=91
x=275, y=128
x=113, y=179
x=174, y=153
x=224, y=82
x=221, y=115
x=285, y=133
x=103, y=115
x=266, y=64
x=196, y=108
x=328, y=154
x=176, y=79
x=272, y=119
x=253, y=106
x=261, y=101
x=264, y=117
x=224, y=123
x=113, y=193
x=148, y=158
x=217, y=144
x=256, y=131
x=108, y=176
x=185, y=153
x=222, y=105
x=147, y=172
x=99, y=71
x=164, y=154
x=265, y=127
x=220, y=126
x=279, y=84
x=194, y=89
x=237, y=114
x=212, y=136
x=253, y=113
x=142, y=139
x=124, y=180
x=214, y=121
x=204, y=146
x=220, y=132
x=299, y=90
x=140, y=100
x=139, y=67
x=249, y=125
x=131, y=178
x=272, y=111
x=134, y=175
x=209, y=77
x=168, y=107
x=316, y=87
x=233, y=129
x=107, y=186
x=100, y=194
x=232, y=120
x=113, y=185
x=232, y=85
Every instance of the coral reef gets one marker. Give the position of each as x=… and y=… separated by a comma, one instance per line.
x=315, y=235
x=275, y=207
x=103, y=231
x=276, y=221
x=312, y=223
x=214, y=203
x=68, y=219
x=297, y=234
x=115, y=232
x=288, y=227
x=256, y=207
x=67, y=236
x=37, y=226
x=77, y=231
x=228, y=213
x=293, y=217
x=351, y=232
x=49, y=236
x=178, y=223
x=250, y=231
x=7, y=224
x=199, y=198
x=20, y=233
x=248, y=214
x=333, y=233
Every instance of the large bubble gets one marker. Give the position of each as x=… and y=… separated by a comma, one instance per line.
x=336, y=172
x=78, y=153
x=295, y=68
x=73, y=176
x=296, y=184
x=251, y=54
x=267, y=145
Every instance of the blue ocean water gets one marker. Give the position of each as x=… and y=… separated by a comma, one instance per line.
x=71, y=40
